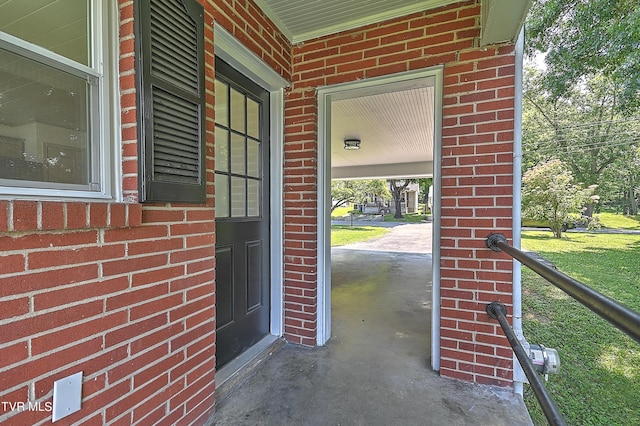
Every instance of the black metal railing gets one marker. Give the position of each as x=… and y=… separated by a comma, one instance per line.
x=498, y=311
x=618, y=315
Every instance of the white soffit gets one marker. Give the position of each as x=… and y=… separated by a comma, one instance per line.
x=302, y=20
x=396, y=130
x=502, y=20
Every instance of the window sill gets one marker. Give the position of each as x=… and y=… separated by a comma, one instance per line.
x=29, y=216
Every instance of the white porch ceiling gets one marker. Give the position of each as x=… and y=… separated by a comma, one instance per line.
x=395, y=127
x=302, y=20
x=396, y=130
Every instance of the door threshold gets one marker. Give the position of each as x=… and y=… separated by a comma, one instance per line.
x=241, y=367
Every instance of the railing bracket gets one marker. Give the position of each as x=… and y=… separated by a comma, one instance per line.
x=494, y=307
x=494, y=239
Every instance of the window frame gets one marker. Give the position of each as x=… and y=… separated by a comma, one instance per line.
x=247, y=95
x=103, y=107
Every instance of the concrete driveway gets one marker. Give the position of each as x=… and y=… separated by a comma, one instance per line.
x=402, y=237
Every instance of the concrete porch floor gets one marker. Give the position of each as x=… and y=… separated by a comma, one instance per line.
x=375, y=370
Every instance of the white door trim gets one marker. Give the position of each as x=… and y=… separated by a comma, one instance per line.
x=242, y=59
x=432, y=77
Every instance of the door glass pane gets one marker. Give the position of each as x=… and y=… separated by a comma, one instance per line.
x=238, y=197
x=253, y=197
x=222, y=149
x=237, y=154
x=45, y=113
x=222, y=103
x=237, y=111
x=253, y=158
x=60, y=26
x=222, y=195
x=253, y=118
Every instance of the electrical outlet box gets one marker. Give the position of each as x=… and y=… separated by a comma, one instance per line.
x=67, y=396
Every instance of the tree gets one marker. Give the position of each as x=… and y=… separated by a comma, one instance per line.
x=342, y=192
x=425, y=184
x=622, y=184
x=583, y=129
x=584, y=38
x=550, y=194
x=356, y=191
x=582, y=106
x=397, y=187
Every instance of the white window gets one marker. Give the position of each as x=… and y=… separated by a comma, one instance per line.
x=54, y=99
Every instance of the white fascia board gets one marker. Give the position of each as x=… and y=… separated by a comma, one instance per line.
x=502, y=20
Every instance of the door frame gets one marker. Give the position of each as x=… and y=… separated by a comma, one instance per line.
x=433, y=77
x=232, y=51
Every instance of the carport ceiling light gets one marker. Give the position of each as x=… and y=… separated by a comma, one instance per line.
x=352, y=144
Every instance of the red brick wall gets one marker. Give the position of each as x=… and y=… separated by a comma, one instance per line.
x=477, y=198
x=246, y=22
x=121, y=291
x=476, y=175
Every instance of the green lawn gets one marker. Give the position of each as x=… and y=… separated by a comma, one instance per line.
x=340, y=212
x=410, y=217
x=619, y=221
x=599, y=380
x=343, y=213
x=344, y=234
x=606, y=219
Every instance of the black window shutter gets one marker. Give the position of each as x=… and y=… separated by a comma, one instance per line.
x=171, y=100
